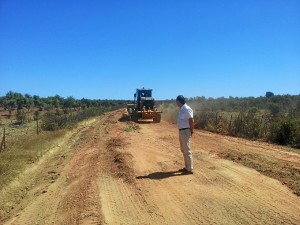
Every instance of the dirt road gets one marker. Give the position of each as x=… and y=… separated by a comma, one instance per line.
x=110, y=172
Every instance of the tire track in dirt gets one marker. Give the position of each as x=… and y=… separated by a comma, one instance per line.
x=122, y=204
x=192, y=213
x=279, y=162
x=252, y=188
x=190, y=206
x=249, y=207
x=123, y=200
x=80, y=203
x=233, y=176
x=266, y=201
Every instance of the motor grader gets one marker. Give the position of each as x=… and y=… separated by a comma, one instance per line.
x=143, y=107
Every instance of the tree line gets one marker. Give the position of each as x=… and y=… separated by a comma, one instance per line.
x=273, y=118
x=14, y=100
x=55, y=112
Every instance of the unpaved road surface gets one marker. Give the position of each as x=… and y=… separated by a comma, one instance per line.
x=109, y=172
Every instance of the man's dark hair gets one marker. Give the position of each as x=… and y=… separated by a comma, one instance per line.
x=181, y=99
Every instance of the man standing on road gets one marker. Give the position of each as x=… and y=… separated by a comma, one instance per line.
x=185, y=124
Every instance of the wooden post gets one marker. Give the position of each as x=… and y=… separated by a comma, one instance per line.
x=3, y=141
x=1, y=144
x=230, y=123
x=37, y=127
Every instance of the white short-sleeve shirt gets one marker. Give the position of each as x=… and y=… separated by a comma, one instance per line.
x=185, y=113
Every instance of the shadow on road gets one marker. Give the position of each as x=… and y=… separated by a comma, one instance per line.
x=162, y=175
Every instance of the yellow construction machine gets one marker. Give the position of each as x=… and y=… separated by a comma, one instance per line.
x=143, y=107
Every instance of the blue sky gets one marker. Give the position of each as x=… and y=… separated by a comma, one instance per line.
x=105, y=49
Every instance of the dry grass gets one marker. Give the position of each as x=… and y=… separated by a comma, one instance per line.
x=23, y=147
x=131, y=127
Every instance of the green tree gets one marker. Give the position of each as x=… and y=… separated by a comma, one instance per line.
x=70, y=102
x=20, y=116
x=28, y=102
x=269, y=94
x=10, y=105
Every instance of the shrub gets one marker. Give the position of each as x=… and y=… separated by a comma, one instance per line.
x=274, y=109
x=50, y=121
x=201, y=120
x=285, y=132
x=57, y=120
x=297, y=138
x=247, y=124
x=253, y=118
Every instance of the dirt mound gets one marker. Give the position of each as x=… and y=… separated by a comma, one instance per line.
x=120, y=162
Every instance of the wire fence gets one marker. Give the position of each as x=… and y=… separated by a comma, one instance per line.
x=22, y=145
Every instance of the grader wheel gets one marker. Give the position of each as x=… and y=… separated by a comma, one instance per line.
x=157, y=118
x=134, y=117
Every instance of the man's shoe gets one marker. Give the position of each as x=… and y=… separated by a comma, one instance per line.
x=185, y=171
x=188, y=172
x=182, y=170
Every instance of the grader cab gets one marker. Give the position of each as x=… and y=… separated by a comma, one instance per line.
x=143, y=107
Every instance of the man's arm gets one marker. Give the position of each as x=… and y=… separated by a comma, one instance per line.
x=191, y=122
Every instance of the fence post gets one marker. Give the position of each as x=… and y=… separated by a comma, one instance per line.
x=37, y=127
x=230, y=123
x=3, y=141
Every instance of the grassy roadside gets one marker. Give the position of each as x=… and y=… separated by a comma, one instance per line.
x=34, y=162
x=24, y=148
